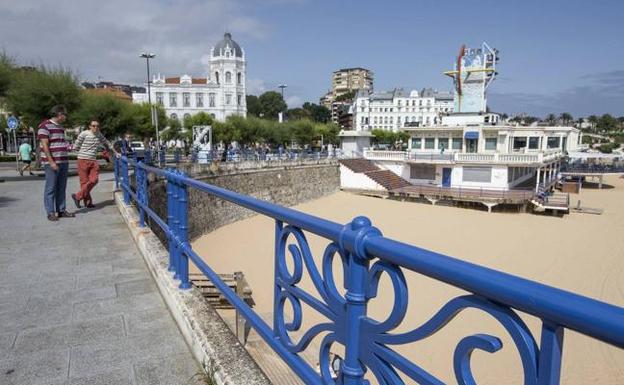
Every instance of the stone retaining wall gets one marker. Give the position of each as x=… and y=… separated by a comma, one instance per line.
x=285, y=185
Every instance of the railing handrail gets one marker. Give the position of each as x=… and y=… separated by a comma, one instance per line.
x=553, y=306
x=532, y=300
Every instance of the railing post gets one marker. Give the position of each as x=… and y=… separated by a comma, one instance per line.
x=176, y=224
x=353, y=237
x=116, y=171
x=170, y=221
x=141, y=186
x=183, y=259
x=147, y=157
x=125, y=183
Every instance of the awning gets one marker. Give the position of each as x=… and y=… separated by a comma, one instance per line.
x=471, y=134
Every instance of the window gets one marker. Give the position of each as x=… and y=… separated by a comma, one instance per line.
x=416, y=143
x=375, y=120
x=553, y=142
x=187, y=116
x=422, y=171
x=239, y=99
x=456, y=143
x=228, y=77
x=199, y=100
x=519, y=143
x=510, y=174
x=443, y=143
x=534, y=143
x=160, y=98
x=211, y=99
x=173, y=99
x=477, y=174
x=239, y=78
x=490, y=143
x=429, y=143
x=419, y=103
x=228, y=99
x=174, y=116
x=186, y=99
x=217, y=77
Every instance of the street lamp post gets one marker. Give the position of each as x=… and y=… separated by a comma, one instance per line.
x=147, y=57
x=282, y=86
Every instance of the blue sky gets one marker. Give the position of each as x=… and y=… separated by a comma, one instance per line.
x=556, y=55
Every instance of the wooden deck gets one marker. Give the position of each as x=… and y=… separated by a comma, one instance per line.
x=465, y=194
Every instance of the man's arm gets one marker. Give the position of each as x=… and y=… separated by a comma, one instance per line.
x=45, y=144
x=107, y=144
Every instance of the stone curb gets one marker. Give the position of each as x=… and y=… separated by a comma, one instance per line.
x=211, y=341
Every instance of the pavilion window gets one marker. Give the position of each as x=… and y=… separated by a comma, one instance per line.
x=173, y=99
x=186, y=99
x=429, y=143
x=534, y=143
x=211, y=99
x=443, y=143
x=199, y=100
x=553, y=142
x=456, y=144
x=477, y=174
x=490, y=144
x=416, y=143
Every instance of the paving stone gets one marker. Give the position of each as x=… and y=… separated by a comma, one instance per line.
x=35, y=368
x=109, y=279
x=77, y=296
x=97, y=309
x=6, y=343
x=149, y=320
x=117, y=377
x=126, y=289
x=81, y=333
x=169, y=370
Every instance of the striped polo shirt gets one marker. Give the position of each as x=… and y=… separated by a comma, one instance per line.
x=87, y=144
x=59, y=146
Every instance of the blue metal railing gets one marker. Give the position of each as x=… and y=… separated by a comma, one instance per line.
x=366, y=255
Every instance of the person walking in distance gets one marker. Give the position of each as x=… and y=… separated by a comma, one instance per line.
x=25, y=152
x=54, y=157
x=86, y=146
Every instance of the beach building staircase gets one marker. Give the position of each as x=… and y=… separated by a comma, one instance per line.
x=554, y=201
x=366, y=173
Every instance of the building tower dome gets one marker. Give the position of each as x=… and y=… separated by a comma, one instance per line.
x=227, y=47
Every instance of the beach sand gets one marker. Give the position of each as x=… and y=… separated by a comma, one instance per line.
x=582, y=253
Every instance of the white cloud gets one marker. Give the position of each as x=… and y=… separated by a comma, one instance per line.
x=294, y=101
x=255, y=86
x=104, y=38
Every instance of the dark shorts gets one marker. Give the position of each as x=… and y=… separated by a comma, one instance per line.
x=26, y=161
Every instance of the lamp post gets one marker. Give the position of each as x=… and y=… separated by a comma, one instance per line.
x=282, y=86
x=147, y=57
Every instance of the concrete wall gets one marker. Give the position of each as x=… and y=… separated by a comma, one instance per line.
x=285, y=185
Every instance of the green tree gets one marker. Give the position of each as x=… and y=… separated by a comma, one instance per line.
x=593, y=119
x=253, y=105
x=346, y=96
x=34, y=91
x=298, y=114
x=607, y=123
x=115, y=115
x=173, y=130
x=144, y=128
x=7, y=69
x=551, y=118
x=271, y=103
x=318, y=113
x=303, y=131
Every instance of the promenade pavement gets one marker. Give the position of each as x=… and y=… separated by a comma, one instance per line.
x=77, y=303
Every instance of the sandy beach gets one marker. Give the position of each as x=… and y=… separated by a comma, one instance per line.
x=581, y=253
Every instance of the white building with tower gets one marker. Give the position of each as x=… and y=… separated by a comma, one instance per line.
x=464, y=155
x=220, y=92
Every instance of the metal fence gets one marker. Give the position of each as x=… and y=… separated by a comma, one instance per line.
x=366, y=256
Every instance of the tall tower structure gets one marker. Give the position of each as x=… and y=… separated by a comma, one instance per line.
x=474, y=71
x=227, y=74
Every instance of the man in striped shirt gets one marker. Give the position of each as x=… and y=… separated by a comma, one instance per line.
x=87, y=145
x=54, y=157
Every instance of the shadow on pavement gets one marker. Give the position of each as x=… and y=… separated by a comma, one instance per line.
x=98, y=206
x=6, y=201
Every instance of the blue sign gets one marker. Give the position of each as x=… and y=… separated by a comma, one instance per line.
x=12, y=122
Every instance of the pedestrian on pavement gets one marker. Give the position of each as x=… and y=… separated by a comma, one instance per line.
x=25, y=153
x=87, y=145
x=54, y=157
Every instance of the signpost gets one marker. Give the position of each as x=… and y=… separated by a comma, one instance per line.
x=12, y=124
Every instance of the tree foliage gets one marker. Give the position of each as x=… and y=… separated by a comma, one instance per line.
x=253, y=105
x=33, y=92
x=389, y=137
x=271, y=103
x=115, y=116
x=7, y=69
x=317, y=112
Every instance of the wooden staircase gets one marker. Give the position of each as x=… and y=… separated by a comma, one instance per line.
x=389, y=180
x=386, y=178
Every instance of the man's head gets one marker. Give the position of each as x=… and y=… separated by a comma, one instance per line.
x=58, y=113
x=94, y=126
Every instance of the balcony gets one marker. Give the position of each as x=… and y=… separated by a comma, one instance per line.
x=463, y=157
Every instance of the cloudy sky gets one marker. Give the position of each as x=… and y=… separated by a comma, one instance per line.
x=556, y=55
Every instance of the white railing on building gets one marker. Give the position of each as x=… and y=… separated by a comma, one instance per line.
x=462, y=157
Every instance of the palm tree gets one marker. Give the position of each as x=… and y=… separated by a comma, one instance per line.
x=550, y=118
x=593, y=119
x=566, y=118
